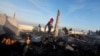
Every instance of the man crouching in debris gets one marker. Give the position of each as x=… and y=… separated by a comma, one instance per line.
x=49, y=25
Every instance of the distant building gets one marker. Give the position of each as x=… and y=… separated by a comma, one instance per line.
x=9, y=24
x=24, y=28
x=77, y=32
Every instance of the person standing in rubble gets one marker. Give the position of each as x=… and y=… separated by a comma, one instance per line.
x=49, y=25
x=39, y=28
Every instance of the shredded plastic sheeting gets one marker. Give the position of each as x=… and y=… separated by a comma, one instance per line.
x=35, y=38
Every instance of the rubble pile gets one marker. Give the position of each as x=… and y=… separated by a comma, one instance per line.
x=67, y=46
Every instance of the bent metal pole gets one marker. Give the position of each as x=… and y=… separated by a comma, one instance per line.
x=56, y=30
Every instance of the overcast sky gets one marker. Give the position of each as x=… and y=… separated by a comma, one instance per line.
x=82, y=14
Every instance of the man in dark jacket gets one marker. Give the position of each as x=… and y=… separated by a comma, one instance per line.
x=49, y=25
